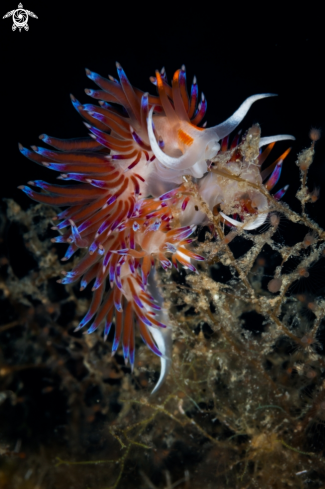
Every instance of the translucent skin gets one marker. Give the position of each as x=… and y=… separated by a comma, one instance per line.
x=123, y=189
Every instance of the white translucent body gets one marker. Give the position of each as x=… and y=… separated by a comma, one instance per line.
x=178, y=158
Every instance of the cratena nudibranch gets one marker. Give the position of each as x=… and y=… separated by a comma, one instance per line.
x=122, y=187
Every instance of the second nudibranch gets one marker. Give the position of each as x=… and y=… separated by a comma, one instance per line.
x=123, y=187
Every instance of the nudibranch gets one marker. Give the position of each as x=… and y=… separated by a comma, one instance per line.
x=123, y=187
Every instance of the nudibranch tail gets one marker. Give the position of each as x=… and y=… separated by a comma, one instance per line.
x=125, y=206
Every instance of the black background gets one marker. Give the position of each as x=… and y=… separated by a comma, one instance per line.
x=234, y=52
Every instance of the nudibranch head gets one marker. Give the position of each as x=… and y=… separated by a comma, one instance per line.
x=187, y=147
x=234, y=183
x=125, y=206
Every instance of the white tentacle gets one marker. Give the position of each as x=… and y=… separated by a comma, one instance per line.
x=250, y=225
x=274, y=139
x=226, y=127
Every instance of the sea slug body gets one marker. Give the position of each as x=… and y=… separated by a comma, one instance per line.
x=123, y=186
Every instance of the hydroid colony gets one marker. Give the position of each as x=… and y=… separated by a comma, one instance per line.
x=135, y=190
